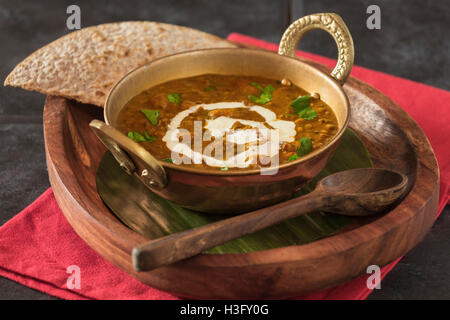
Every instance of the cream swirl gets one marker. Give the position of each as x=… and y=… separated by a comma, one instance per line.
x=260, y=139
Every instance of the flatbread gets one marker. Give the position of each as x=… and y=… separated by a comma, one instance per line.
x=85, y=64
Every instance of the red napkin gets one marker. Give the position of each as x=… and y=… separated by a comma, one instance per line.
x=38, y=245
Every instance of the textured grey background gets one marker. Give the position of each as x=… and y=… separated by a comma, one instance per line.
x=413, y=43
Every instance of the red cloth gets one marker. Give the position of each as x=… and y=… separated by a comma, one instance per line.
x=38, y=245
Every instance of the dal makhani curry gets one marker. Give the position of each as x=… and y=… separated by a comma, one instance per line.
x=241, y=122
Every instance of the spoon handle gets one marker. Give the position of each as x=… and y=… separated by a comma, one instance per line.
x=182, y=245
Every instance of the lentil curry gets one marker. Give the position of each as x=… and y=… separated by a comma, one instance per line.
x=235, y=117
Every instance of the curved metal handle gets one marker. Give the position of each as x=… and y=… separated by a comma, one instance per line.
x=131, y=156
x=335, y=26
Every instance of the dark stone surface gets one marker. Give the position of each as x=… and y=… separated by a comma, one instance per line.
x=413, y=43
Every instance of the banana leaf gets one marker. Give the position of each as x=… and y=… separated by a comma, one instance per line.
x=153, y=217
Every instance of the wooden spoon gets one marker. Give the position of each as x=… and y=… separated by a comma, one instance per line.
x=357, y=192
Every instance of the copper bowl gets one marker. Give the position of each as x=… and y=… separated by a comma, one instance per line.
x=231, y=192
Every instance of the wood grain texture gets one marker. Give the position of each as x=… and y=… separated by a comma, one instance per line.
x=391, y=136
x=357, y=192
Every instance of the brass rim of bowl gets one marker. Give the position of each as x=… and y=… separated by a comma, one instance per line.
x=239, y=172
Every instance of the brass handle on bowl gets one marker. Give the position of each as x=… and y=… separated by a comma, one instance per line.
x=335, y=26
x=132, y=157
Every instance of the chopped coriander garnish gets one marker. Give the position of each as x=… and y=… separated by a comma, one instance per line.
x=265, y=96
x=169, y=160
x=305, y=146
x=308, y=113
x=210, y=88
x=174, y=97
x=138, y=137
x=224, y=169
x=257, y=86
x=303, y=108
x=149, y=137
x=301, y=102
x=151, y=115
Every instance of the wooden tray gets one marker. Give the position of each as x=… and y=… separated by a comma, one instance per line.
x=393, y=139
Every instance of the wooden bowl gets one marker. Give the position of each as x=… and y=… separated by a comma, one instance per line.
x=393, y=139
